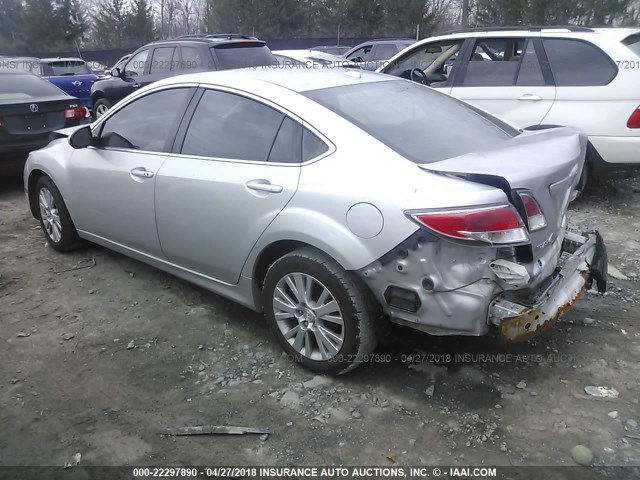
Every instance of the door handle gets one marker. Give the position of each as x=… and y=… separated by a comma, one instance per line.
x=529, y=96
x=136, y=85
x=263, y=186
x=142, y=172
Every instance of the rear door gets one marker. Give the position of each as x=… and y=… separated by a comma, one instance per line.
x=235, y=169
x=114, y=182
x=582, y=72
x=505, y=76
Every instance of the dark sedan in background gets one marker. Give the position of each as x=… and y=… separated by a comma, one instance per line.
x=30, y=109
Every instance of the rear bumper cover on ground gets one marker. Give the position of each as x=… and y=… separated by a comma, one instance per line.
x=518, y=321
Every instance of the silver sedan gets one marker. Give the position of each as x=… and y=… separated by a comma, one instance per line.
x=332, y=201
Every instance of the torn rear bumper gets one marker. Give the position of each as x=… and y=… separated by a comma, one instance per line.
x=521, y=320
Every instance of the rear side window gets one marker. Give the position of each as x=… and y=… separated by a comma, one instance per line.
x=312, y=146
x=162, y=61
x=633, y=42
x=287, y=147
x=190, y=59
x=17, y=86
x=241, y=55
x=494, y=62
x=384, y=51
x=577, y=63
x=230, y=126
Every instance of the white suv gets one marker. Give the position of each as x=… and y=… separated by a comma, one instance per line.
x=538, y=77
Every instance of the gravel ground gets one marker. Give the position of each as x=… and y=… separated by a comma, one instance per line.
x=99, y=360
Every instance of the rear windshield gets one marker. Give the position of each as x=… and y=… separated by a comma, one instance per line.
x=239, y=55
x=419, y=123
x=13, y=87
x=633, y=42
x=69, y=68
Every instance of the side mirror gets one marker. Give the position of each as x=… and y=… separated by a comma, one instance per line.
x=81, y=138
x=115, y=72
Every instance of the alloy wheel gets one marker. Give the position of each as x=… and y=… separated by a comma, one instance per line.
x=308, y=316
x=49, y=214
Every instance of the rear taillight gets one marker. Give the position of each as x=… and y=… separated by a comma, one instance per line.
x=634, y=119
x=499, y=224
x=535, y=217
x=75, y=112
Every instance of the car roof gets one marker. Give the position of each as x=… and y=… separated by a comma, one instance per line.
x=295, y=79
x=61, y=59
x=212, y=39
x=615, y=32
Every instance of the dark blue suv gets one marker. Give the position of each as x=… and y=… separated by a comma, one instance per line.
x=186, y=54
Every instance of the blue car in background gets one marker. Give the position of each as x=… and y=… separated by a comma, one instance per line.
x=71, y=75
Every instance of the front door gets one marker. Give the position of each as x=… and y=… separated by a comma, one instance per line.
x=114, y=181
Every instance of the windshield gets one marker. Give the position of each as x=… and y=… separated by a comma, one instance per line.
x=69, y=68
x=419, y=123
x=239, y=55
x=633, y=42
x=16, y=86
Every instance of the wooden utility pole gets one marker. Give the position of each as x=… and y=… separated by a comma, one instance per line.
x=465, y=13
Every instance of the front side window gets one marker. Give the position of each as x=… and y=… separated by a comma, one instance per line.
x=162, y=60
x=494, y=62
x=439, y=57
x=418, y=122
x=361, y=55
x=230, y=126
x=577, y=63
x=136, y=65
x=147, y=124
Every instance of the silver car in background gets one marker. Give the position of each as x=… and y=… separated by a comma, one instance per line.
x=333, y=201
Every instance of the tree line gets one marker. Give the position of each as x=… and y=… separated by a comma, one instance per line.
x=58, y=25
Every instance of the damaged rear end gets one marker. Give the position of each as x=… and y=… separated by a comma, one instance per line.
x=509, y=265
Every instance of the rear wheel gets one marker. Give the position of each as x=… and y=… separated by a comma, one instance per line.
x=323, y=317
x=55, y=220
x=100, y=107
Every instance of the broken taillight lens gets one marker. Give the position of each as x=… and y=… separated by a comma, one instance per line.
x=634, y=119
x=498, y=224
x=535, y=217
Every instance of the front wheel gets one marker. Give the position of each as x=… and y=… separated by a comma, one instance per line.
x=324, y=318
x=55, y=220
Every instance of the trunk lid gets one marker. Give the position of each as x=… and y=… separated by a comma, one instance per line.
x=547, y=163
x=20, y=119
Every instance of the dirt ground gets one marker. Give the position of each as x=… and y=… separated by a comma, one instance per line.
x=99, y=360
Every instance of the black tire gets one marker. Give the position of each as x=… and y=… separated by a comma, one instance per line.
x=68, y=235
x=102, y=102
x=361, y=313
